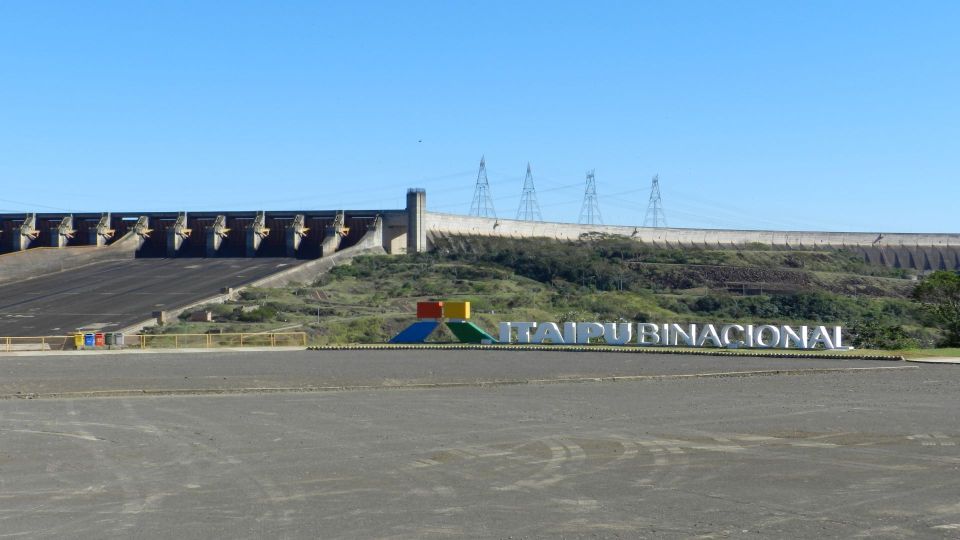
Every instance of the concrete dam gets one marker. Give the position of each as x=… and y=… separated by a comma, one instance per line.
x=45, y=241
x=37, y=244
x=122, y=271
x=915, y=251
x=300, y=234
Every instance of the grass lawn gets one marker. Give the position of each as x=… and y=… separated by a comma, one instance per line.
x=929, y=353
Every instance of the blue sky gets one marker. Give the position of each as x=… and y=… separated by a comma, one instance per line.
x=785, y=115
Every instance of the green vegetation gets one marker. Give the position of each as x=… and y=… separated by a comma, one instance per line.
x=930, y=353
x=940, y=294
x=598, y=278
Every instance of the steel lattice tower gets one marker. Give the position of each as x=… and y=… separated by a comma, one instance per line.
x=590, y=211
x=482, y=204
x=655, y=216
x=529, y=209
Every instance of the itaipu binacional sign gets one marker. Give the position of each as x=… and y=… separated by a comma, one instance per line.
x=456, y=316
x=748, y=336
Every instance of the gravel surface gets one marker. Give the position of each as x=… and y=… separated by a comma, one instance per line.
x=866, y=453
x=300, y=369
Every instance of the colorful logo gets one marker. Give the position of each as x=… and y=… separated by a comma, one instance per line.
x=454, y=314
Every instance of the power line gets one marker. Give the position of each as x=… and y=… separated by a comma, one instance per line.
x=34, y=205
x=482, y=204
x=529, y=209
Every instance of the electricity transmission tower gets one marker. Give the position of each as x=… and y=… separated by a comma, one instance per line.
x=590, y=211
x=529, y=209
x=655, y=216
x=482, y=204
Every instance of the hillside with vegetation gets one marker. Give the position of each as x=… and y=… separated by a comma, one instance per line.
x=603, y=279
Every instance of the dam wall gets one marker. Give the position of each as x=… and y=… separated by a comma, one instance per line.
x=370, y=244
x=37, y=243
x=919, y=251
x=304, y=234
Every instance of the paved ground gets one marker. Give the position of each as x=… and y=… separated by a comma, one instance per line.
x=304, y=369
x=115, y=294
x=843, y=454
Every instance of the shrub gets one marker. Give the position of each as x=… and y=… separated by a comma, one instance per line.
x=940, y=294
x=261, y=314
x=875, y=335
x=252, y=295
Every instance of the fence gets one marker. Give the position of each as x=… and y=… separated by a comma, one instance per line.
x=155, y=341
x=211, y=341
x=38, y=343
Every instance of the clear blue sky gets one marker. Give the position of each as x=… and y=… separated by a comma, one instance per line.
x=768, y=114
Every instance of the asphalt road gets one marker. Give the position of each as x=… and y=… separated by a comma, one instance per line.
x=842, y=454
x=112, y=295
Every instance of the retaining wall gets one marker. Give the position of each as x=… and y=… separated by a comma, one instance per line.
x=920, y=251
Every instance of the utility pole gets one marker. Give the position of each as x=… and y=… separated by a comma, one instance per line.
x=655, y=216
x=590, y=211
x=529, y=209
x=482, y=204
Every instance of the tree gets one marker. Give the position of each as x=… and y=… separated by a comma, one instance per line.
x=875, y=335
x=940, y=293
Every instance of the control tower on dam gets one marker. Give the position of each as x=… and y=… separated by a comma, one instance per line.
x=70, y=239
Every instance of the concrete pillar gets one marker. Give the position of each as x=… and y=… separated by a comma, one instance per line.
x=61, y=235
x=295, y=234
x=216, y=234
x=102, y=233
x=333, y=235
x=256, y=233
x=177, y=234
x=26, y=233
x=142, y=229
x=416, y=232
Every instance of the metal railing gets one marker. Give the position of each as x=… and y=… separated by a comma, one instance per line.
x=157, y=341
x=211, y=341
x=36, y=343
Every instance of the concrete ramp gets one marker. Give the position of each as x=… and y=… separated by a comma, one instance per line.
x=36, y=262
x=113, y=295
